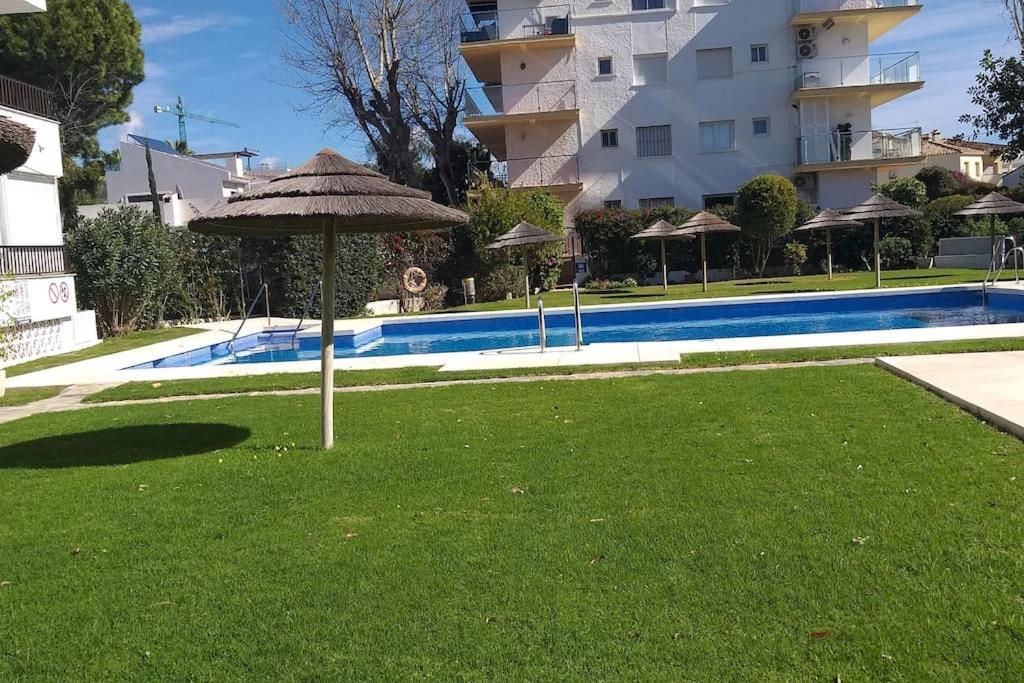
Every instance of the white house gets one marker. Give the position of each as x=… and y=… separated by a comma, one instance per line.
x=977, y=160
x=31, y=235
x=645, y=102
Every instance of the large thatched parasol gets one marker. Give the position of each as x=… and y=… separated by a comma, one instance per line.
x=327, y=195
x=826, y=220
x=705, y=224
x=992, y=205
x=876, y=208
x=16, y=143
x=662, y=231
x=524, y=237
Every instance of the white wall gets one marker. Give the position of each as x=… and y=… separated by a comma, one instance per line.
x=195, y=178
x=29, y=204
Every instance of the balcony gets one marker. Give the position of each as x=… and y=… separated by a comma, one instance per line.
x=558, y=174
x=838, y=151
x=485, y=34
x=20, y=261
x=882, y=78
x=24, y=97
x=881, y=16
x=490, y=108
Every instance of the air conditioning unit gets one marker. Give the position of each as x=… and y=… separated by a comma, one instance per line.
x=806, y=34
x=805, y=51
x=805, y=181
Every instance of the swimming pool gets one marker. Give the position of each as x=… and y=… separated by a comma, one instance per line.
x=673, y=321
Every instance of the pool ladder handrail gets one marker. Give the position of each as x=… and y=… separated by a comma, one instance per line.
x=542, y=328
x=577, y=315
x=318, y=287
x=264, y=292
x=994, y=272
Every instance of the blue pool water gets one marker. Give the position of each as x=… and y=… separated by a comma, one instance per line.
x=889, y=311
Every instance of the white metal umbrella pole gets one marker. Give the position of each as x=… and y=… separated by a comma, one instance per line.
x=327, y=344
x=704, y=259
x=526, y=266
x=878, y=255
x=828, y=250
x=664, y=267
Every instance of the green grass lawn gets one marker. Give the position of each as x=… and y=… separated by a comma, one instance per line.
x=790, y=525
x=133, y=391
x=21, y=397
x=132, y=340
x=777, y=285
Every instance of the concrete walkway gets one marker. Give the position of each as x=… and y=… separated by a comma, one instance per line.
x=989, y=385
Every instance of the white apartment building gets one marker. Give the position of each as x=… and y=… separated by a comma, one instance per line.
x=637, y=103
x=44, y=305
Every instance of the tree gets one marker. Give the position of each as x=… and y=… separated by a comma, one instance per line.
x=766, y=209
x=154, y=194
x=998, y=93
x=910, y=192
x=941, y=215
x=1015, y=10
x=938, y=182
x=88, y=54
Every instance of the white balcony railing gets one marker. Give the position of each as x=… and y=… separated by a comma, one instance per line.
x=837, y=72
x=853, y=146
x=536, y=22
x=520, y=98
x=544, y=171
x=810, y=6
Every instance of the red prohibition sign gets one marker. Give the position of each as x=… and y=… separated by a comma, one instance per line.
x=54, y=293
x=65, y=293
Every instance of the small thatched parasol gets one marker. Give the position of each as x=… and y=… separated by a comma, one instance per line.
x=704, y=224
x=992, y=205
x=16, y=143
x=826, y=220
x=876, y=208
x=327, y=195
x=525, y=236
x=662, y=231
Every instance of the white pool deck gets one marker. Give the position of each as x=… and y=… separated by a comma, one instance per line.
x=110, y=369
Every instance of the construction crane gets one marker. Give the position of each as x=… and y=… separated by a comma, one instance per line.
x=179, y=111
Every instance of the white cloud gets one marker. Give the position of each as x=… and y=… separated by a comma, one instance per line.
x=136, y=123
x=180, y=26
x=146, y=12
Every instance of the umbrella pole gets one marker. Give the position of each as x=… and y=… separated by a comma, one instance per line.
x=704, y=259
x=664, y=267
x=992, y=247
x=828, y=249
x=327, y=344
x=878, y=256
x=526, y=266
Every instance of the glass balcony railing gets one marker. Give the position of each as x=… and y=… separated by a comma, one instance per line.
x=837, y=72
x=810, y=6
x=536, y=22
x=547, y=171
x=525, y=98
x=851, y=146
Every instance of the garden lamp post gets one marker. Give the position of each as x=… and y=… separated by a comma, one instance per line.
x=663, y=232
x=826, y=220
x=704, y=224
x=525, y=237
x=876, y=208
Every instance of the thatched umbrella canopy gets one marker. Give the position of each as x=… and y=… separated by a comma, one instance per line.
x=327, y=195
x=662, y=231
x=524, y=237
x=876, y=208
x=992, y=205
x=16, y=143
x=704, y=224
x=826, y=220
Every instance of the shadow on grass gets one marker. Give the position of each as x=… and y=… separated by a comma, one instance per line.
x=762, y=283
x=121, y=446
x=888, y=278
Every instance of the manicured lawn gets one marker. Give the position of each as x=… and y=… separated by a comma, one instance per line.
x=355, y=378
x=791, y=525
x=778, y=285
x=108, y=346
x=20, y=397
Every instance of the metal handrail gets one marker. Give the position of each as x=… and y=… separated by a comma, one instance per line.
x=577, y=315
x=542, y=326
x=305, y=310
x=263, y=292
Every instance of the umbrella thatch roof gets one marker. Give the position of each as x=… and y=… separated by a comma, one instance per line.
x=16, y=143
x=993, y=204
x=329, y=191
x=525, y=235
x=829, y=219
x=706, y=223
x=880, y=206
x=662, y=230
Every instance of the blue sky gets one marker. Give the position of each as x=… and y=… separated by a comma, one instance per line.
x=224, y=58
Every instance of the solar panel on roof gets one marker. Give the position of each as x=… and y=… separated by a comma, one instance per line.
x=154, y=144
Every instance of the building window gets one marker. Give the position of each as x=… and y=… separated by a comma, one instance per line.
x=655, y=202
x=759, y=54
x=613, y=203
x=713, y=200
x=977, y=169
x=604, y=66
x=650, y=69
x=714, y=63
x=610, y=138
x=762, y=127
x=654, y=141
x=641, y=5
x=717, y=136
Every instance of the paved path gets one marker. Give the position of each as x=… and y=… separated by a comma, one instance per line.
x=989, y=385
x=73, y=398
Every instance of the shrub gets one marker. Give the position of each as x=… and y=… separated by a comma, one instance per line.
x=795, y=256
x=907, y=191
x=208, y=286
x=126, y=268
x=434, y=297
x=766, y=209
x=502, y=281
x=629, y=283
x=912, y=193
x=896, y=253
x=938, y=182
x=606, y=238
x=940, y=215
